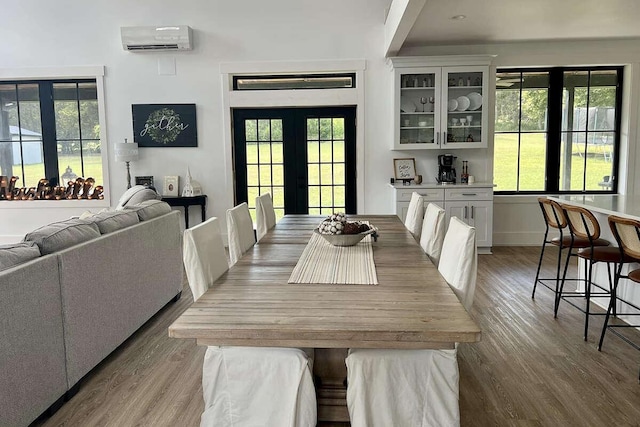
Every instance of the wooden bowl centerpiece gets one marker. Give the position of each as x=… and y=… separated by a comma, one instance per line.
x=337, y=231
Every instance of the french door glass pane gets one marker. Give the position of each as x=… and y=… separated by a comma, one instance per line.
x=326, y=165
x=265, y=166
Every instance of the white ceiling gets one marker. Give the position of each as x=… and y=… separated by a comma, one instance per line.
x=491, y=21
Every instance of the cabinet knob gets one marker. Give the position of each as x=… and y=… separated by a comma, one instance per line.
x=469, y=194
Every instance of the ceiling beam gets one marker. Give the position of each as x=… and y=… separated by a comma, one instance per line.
x=400, y=19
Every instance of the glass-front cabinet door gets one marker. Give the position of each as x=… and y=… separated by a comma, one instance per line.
x=419, y=107
x=440, y=107
x=463, y=109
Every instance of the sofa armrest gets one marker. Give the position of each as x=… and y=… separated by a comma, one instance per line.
x=32, y=364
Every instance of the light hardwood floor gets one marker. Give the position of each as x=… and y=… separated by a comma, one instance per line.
x=529, y=369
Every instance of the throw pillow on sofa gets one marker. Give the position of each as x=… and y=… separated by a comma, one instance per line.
x=136, y=195
x=150, y=209
x=111, y=221
x=60, y=235
x=17, y=253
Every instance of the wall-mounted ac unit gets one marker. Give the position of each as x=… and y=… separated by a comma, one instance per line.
x=177, y=37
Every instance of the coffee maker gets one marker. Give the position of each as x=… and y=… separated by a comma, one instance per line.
x=446, y=171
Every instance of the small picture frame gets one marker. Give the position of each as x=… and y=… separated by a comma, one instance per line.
x=405, y=169
x=170, y=186
x=147, y=181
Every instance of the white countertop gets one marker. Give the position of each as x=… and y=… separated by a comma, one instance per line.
x=609, y=204
x=399, y=186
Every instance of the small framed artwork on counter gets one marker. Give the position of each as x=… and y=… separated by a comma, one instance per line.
x=404, y=169
x=170, y=185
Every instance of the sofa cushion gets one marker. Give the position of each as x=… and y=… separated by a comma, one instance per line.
x=17, y=253
x=110, y=221
x=63, y=234
x=150, y=209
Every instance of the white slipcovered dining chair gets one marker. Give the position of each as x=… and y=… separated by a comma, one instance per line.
x=203, y=256
x=415, y=387
x=240, y=230
x=415, y=215
x=432, y=234
x=459, y=260
x=245, y=386
x=265, y=215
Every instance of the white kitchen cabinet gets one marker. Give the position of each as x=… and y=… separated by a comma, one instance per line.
x=403, y=197
x=440, y=107
x=478, y=214
x=471, y=203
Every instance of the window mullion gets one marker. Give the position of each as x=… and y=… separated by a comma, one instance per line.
x=49, y=139
x=554, y=130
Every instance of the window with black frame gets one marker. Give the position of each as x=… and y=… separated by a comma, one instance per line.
x=557, y=130
x=50, y=129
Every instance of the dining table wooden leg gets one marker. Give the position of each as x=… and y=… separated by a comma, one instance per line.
x=330, y=372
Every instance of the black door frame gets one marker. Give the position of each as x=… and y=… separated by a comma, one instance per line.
x=295, y=152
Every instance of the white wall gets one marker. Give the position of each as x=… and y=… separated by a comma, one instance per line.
x=74, y=33
x=517, y=219
x=79, y=33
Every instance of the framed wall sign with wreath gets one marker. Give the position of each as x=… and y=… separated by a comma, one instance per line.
x=164, y=125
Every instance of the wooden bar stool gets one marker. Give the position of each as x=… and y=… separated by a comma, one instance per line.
x=627, y=234
x=554, y=217
x=585, y=236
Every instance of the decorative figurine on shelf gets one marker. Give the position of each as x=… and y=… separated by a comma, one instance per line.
x=191, y=186
x=187, y=190
x=470, y=138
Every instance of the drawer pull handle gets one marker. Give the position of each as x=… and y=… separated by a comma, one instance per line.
x=469, y=194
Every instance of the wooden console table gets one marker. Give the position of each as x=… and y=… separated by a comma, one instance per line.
x=185, y=202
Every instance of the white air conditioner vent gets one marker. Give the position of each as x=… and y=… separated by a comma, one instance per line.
x=156, y=38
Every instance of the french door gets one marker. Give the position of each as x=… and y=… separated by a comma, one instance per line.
x=304, y=157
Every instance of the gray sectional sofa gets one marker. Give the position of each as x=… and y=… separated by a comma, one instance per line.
x=72, y=292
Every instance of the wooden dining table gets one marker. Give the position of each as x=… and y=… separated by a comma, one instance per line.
x=253, y=304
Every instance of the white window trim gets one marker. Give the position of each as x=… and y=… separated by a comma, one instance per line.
x=294, y=98
x=79, y=72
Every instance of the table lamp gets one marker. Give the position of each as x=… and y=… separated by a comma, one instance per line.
x=126, y=153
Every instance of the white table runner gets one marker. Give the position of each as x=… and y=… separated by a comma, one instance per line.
x=322, y=262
